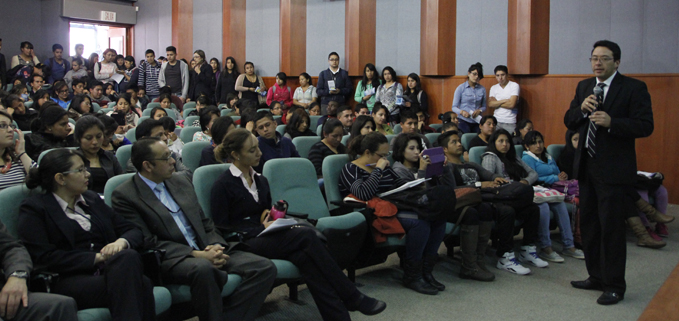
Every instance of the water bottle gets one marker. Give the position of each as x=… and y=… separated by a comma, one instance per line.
x=279, y=209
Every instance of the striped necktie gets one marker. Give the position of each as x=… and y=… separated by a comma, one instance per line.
x=591, y=131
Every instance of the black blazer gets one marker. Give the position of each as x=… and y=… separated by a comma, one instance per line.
x=48, y=233
x=629, y=105
x=203, y=82
x=108, y=162
x=233, y=207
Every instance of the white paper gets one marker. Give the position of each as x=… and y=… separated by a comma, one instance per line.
x=281, y=222
x=404, y=187
x=369, y=92
x=331, y=85
x=117, y=77
x=647, y=174
x=478, y=119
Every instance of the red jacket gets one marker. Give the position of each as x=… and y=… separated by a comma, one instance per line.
x=385, y=222
x=276, y=93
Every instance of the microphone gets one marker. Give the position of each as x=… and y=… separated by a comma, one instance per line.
x=599, y=93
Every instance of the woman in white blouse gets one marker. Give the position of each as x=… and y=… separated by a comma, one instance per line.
x=107, y=68
x=305, y=94
x=390, y=93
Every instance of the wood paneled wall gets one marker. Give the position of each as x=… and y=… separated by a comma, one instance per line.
x=233, y=30
x=182, y=37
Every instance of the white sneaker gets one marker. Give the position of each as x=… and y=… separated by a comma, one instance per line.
x=509, y=263
x=529, y=254
x=552, y=257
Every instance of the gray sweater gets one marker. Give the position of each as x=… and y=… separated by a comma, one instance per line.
x=492, y=162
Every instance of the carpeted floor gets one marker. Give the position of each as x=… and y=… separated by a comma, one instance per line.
x=546, y=294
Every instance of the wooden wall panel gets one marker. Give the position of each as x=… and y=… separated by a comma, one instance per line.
x=182, y=28
x=528, y=37
x=233, y=31
x=359, y=36
x=437, y=37
x=293, y=37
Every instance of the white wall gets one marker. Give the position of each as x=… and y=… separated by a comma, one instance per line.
x=262, y=44
x=397, y=39
x=481, y=34
x=154, y=28
x=207, y=28
x=324, y=34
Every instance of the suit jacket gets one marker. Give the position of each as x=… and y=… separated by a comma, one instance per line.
x=629, y=105
x=49, y=234
x=13, y=255
x=233, y=207
x=137, y=203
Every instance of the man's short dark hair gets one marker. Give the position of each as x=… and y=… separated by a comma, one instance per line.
x=447, y=125
x=165, y=90
x=333, y=54
x=342, y=108
x=133, y=87
x=95, y=83
x=485, y=118
x=32, y=78
x=501, y=68
x=57, y=46
x=610, y=45
x=77, y=81
x=168, y=123
x=263, y=114
x=172, y=49
x=150, y=51
x=444, y=138
x=408, y=114
x=142, y=151
x=144, y=128
x=79, y=45
x=360, y=106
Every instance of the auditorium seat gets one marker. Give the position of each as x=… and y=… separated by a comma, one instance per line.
x=187, y=133
x=432, y=137
x=281, y=129
x=130, y=135
x=303, y=144
x=191, y=153
x=397, y=129
x=188, y=122
x=466, y=139
x=187, y=111
x=123, y=154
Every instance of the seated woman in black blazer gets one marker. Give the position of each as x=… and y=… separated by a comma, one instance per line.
x=70, y=230
x=102, y=165
x=240, y=202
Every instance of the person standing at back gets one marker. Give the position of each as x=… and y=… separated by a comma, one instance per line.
x=174, y=74
x=341, y=83
x=149, y=71
x=504, y=98
x=57, y=65
x=609, y=123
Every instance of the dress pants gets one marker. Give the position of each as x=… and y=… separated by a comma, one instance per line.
x=47, y=307
x=207, y=281
x=603, y=210
x=121, y=287
x=328, y=285
x=504, y=224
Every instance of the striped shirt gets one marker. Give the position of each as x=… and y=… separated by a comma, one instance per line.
x=355, y=180
x=15, y=176
x=148, y=78
x=319, y=152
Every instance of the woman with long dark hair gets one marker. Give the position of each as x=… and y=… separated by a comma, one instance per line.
x=214, y=63
x=366, y=88
x=14, y=162
x=298, y=125
x=50, y=130
x=416, y=98
x=470, y=100
x=60, y=94
x=102, y=165
x=381, y=115
x=226, y=83
x=202, y=78
x=389, y=93
x=26, y=57
x=80, y=105
x=305, y=94
x=331, y=144
x=250, y=85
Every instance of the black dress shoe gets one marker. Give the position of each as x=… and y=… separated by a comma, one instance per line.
x=367, y=305
x=609, y=298
x=587, y=285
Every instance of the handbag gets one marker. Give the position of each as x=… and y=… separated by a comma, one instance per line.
x=430, y=203
x=569, y=187
x=514, y=194
x=544, y=195
x=467, y=196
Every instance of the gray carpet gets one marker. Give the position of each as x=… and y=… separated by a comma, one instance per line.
x=546, y=294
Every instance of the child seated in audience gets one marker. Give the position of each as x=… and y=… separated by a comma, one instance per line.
x=158, y=113
x=207, y=116
x=331, y=144
x=123, y=107
x=271, y=143
x=222, y=126
x=486, y=128
x=280, y=92
x=298, y=125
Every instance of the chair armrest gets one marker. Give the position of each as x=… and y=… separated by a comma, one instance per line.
x=297, y=215
x=42, y=281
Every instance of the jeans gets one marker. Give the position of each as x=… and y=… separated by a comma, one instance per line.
x=563, y=221
x=422, y=237
x=510, y=127
x=467, y=127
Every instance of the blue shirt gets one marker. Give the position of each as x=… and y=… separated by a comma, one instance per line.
x=469, y=99
x=178, y=215
x=63, y=104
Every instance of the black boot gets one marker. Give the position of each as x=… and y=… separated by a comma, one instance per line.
x=412, y=278
x=485, y=229
x=427, y=269
x=469, y=235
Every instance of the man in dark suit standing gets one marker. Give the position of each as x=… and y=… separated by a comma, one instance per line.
x=605, y=165
x=164, y=205
x=16, y=303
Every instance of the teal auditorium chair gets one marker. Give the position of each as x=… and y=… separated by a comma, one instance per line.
x=189, y=120
x=111, y=104
x=475, y=154
x=519, y=150
x=303, y=144
x=281, y=129
x=71, y=121
x=345, y=139
x=466, y=139
x=123, y=154
x=432, y=137
x=319, y=130
x=105, y=110
x=180, y=294
x=236, y=118
x=191, y=153
x=264, y=109
x=397, y=129
x=203, y=179
x=391, y=137
x=220, y=106
x=276, y=117
x=28, y=104
x=314, y=120
x=295, y=180
x=142, y=119
x=436, y=126
x=131, y=135
x=189, y=105
x=225, y=111
x=187, y=111
x=150, y=106
x=187, y=134
x=95, y=108
x=555, y=150
x=11, y=199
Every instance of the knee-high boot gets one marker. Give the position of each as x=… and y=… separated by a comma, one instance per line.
x=469, y=235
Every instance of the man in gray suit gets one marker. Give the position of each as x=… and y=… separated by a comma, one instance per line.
x=164, y=205
x=16, y=303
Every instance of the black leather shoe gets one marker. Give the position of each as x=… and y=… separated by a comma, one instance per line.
x=367, y=305
x=609, y=298
x=587, y=285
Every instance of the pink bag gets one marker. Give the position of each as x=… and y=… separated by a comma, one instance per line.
x=569, y=187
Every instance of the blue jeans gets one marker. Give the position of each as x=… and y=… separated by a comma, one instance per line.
x=467, y=127
x=562, y=220
x=422, y=237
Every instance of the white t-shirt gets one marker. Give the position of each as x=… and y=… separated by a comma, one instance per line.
x=505, y=115
x=305, y=96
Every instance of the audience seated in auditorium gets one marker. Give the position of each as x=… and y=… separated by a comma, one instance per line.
x=163, y=205
x=80, y=105
x=362, y=109
x=522, y=127
x=362, y=126
x=124, y=108
x=50, y=130
x=487, y=127
x=78, y=71
x=236, y=209
x=414, y=97
x=409, y=125
x=102, y=164
x=346, y=117
x=226, y=83
x=78, y=86
x=23, y=116
x=469, y=101
x=71, y=231
x=331, y=112
x=422, y=126
x=367, y=87
x=305, y=94
x=60, y=94
x=342, y=84
x=314, y=109
x=298, y=125
x=97, y=93
x=173, y=142
x=174, y=74
x=280, y=92
x=536, y=157
x=381, y=115
x=231, y=103
x=207, y=116
x=39, y=98
x=158, y=113
x=165, y=101
x=331, y=144
x=202, y=79
x=154, y=128
x=388, y=92
x=35, y=82
x=26, y=57
x=149, y=71
x=271, y=143
x=110, y=91
x=222, y=126
x=14, y=161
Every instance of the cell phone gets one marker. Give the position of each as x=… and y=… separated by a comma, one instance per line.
x=437, y=158
x=119, y=118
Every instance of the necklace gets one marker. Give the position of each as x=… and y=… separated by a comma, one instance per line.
x=7, y=167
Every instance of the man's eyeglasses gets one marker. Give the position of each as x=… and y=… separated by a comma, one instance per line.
x=4, y=126
x=600, y=59
x=164, y=158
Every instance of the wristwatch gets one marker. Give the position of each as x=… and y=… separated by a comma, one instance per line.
x=20, y=274
x=477, y=184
